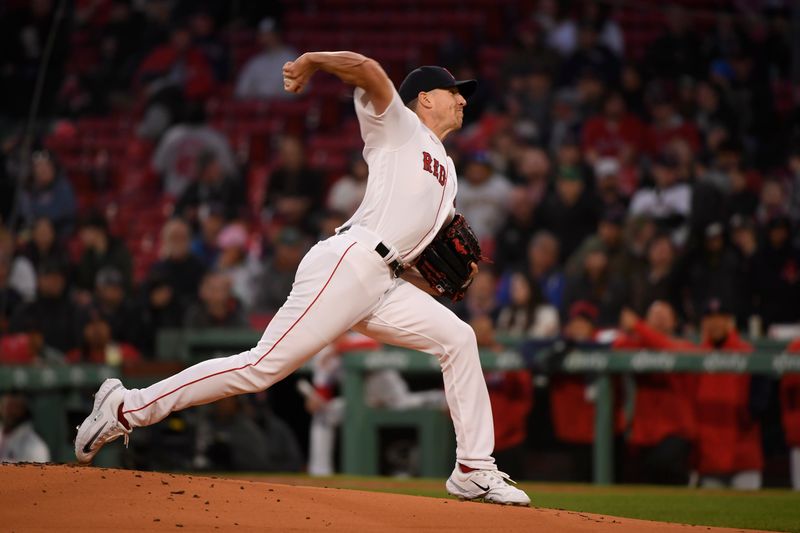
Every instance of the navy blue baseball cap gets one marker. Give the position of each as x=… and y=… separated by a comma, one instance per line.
x=428, y=78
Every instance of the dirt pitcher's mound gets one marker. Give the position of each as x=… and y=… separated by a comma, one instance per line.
x=71, y=498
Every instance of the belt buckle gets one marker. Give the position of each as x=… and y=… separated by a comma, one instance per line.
x=397, y=268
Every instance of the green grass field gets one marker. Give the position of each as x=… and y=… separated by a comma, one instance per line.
x=774, y=510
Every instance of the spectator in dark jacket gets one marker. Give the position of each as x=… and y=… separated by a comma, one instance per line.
x=570, y=212
x=678, y=51
x=49, y=195
x=44, y=244
x=217, y=307
x=596, y=284
x=777, y=274
x=211, y=187
x=101, y=250
x=295, y=190
x=160, y=310
x=111, y=304
x=182, y=270
x=658, y=281
x=53, y=313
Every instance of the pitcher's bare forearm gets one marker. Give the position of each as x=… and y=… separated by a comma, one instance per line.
x=350, y=67
x=415, y=278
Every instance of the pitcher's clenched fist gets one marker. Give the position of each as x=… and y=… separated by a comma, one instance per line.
x=297, y=73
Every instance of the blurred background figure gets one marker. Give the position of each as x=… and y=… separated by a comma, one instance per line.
x=48, y=194
x=346, y=194
x=228, y=438
x=19, y=442
x=729, y=450
x=383, y=389
x=217, y=306
x=261, y=76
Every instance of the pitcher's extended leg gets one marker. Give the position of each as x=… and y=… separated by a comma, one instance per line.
x=312, y=317
x=410, y=318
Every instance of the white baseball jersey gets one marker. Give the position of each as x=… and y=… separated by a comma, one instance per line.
x=412, y=181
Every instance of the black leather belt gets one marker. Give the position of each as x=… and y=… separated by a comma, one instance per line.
x=395, y=266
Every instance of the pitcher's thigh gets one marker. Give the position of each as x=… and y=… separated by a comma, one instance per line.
x=411, y=318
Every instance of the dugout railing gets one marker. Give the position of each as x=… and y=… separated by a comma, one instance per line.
x=58, y=389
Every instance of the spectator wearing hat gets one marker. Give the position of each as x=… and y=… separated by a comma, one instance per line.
x=663, y=425
x=182, y=270
x=99, y=345
x=113, y=305
x=725, y=189
x=668, y=202
x=210, y=187
x=609, y=237
x=217, y=306
x=49, y=194
x=52, y=312
x=19, y=442
x=160, y=310
x=572, y=397
x=611, y=186
x=713, y=268
x=101, y=250
x=776, y=273
x=569, y=212
x=346, y=194
x=277, y=278
x=483, y=196
x=261, y=76
x=728, y=448
x=243, y=268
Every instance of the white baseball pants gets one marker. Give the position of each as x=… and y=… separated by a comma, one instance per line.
x=341, y=284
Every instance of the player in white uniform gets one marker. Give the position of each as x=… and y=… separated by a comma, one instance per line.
x=349, y=281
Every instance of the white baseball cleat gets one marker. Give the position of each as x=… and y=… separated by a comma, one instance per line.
x=102, y=425
x=492, y=486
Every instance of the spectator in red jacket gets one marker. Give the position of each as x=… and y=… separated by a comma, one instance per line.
x=728, y=447
x=790, y=411
x=668, y=125
x=511, y=395
x=173, y=73
x=615, y=133
x=572, y=397
x=663, y=423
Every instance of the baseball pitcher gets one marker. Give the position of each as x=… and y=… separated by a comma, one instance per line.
x=374, y=276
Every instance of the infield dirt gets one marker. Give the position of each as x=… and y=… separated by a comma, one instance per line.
x=72, y=498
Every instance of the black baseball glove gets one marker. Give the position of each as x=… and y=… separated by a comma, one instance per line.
x=446, y=264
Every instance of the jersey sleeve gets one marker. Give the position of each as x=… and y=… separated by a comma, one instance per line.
x=391, y=129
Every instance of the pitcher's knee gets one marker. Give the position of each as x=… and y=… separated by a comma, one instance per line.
x=461, y=338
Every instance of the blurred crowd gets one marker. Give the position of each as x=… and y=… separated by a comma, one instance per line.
x=603, y=181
